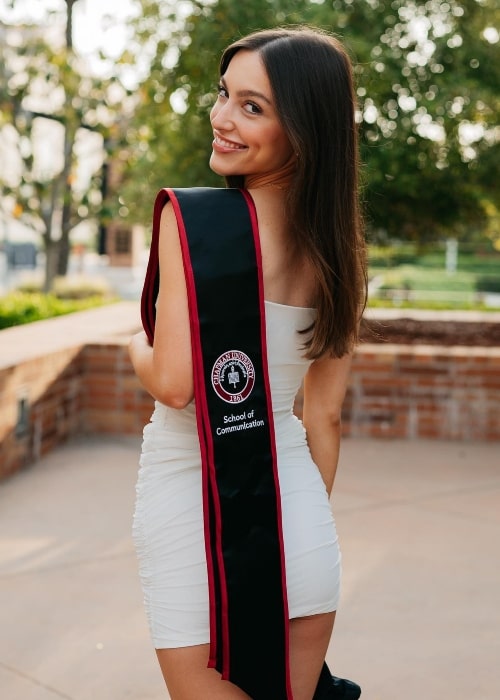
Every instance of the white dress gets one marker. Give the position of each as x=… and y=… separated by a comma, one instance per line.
x=168, y=520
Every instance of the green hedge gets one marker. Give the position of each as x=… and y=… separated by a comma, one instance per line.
x=17, y=308
x=488, y=283
x=429, y=305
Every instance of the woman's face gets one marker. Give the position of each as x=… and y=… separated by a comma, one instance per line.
x=248, y=137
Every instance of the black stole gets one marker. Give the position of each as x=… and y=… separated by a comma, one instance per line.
x=242, y=507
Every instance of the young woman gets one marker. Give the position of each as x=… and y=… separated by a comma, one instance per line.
x=284, y=136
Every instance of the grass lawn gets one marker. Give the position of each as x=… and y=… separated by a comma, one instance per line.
x=403, y=277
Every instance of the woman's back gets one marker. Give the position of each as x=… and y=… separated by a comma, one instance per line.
x=288, y=277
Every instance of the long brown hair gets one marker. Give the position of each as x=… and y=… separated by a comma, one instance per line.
x=311, y=79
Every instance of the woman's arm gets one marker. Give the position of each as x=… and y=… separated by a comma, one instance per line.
x=325, y=386
x=165, y=370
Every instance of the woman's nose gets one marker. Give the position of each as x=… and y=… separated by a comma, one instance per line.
x=221, y=116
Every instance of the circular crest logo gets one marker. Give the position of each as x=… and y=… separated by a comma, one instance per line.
x=233, y=376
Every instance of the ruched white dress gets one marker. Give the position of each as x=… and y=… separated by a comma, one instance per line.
x=168, y=520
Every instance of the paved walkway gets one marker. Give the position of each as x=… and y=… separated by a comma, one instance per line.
x=420, y=615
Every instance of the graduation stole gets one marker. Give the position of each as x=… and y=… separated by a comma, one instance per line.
x=241, y=499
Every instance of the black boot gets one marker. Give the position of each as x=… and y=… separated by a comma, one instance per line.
x=332, y=688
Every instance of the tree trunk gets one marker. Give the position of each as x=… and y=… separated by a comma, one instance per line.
x=64, y=242
x=50, y=245
x=51, y=263
x=69, y=139
x=69, y=23
x=63, y=255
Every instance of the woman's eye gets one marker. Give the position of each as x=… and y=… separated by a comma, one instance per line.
x=252, y=108
x=221, y=91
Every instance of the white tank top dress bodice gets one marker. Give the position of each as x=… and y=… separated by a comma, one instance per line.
x=168, y=527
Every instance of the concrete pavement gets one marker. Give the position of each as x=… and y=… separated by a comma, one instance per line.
x=419, y=524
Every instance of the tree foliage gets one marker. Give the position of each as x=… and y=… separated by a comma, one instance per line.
x=426, y=85
x=427, y=80
x=427, y=76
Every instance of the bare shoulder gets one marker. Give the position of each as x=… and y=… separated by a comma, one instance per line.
x=168, y=221
x=168, y=242
x=288, y=277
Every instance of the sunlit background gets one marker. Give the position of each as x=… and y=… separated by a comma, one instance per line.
x=104, y=102
x=96, y=115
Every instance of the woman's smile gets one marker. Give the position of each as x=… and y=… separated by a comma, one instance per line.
x=224, y=145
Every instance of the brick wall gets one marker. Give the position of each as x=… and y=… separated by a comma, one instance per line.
x=40, y=406
x=57, y=377
x=450, y=393
x=396, y=391
x=113, y=400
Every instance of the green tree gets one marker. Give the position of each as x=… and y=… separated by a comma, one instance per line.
x=428, y=76
x=427, y=81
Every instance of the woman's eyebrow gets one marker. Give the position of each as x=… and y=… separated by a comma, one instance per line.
x=248, y=93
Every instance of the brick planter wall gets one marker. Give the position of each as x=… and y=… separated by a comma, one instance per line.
x=51, y=387
x=40, y=406
x=113, y=400
x=82, y=383
x=424, y=391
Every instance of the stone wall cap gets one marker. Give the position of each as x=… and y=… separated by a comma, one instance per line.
x=32, y=340
x=456, y=315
